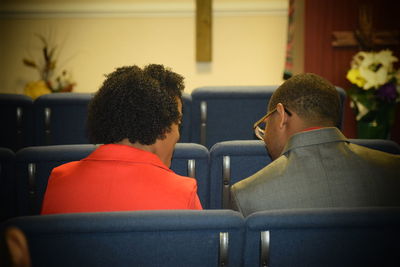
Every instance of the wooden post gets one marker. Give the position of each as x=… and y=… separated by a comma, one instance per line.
x=203, y=30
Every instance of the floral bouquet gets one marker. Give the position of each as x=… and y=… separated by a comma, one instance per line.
x=46, y=67
x=375, y=92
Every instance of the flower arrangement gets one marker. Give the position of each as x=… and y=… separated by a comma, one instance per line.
x=375, y=92
x=46, y=68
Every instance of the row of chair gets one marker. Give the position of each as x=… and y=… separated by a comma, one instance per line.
x=306, y=237
x=210, y=115
x=24, y=175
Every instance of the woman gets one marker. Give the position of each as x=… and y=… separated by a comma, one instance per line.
x=136, y=115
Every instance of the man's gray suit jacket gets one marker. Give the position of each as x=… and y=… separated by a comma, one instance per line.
x=319, y=169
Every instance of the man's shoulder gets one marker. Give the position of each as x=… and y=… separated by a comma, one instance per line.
x=272, y=171
x=360, y=149
x=375, y=156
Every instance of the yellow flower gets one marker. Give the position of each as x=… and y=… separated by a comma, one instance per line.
x=36, y=89
x=353, y=75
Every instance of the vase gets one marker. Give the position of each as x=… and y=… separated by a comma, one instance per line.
x=372, y=130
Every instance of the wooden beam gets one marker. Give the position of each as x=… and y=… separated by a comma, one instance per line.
x=203, y=30
x=379, y=38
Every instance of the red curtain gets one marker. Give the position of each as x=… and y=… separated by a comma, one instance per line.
x=321, y=18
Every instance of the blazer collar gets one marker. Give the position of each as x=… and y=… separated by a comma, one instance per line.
x=314, y=137
x=116, y=152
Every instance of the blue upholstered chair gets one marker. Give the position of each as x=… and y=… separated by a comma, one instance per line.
x=186, y=119
x=230, y=162
x=34, y=165
x=323, y=237
x=388, y=146
x=7, y=183
x=61, y=118
x=16, y=116
x=139, y=238
x=221, y=113
x=193, y=160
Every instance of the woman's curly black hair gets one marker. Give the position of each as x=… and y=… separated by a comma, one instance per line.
x=134, y=103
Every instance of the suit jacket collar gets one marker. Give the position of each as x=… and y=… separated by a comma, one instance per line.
x=116, y=152
x=314, y=137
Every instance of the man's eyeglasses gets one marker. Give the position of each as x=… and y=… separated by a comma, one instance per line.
x=259, y=125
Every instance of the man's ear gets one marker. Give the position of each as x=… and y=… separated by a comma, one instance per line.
x=283, y=116
x=18, y=247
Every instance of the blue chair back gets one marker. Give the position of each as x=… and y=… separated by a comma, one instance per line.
x=16, y=116
x=60, y=118
x=193, y=160
x=323, y=237
x=186, y=119
x=230, y=162
x=384, y=145
x=7, y=183
x=221, y=113
x=139, y=238
x=34, y=165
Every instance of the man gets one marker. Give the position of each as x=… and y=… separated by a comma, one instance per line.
x=314, y=165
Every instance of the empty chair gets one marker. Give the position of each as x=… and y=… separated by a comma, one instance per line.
x=7, y=183
x=323, y=237
x=221, y=113
x=139, y=238
x=378, y=144
x=34, y=165
x=193, y=160
x=230, y=162
x=16, y=121
x=61, y=118
x=186, y=118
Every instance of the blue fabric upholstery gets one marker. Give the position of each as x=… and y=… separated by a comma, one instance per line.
x=246, y=157
x=230, y=112
x=67, y=118
x=378, y=144
x=325, y=237
x=34, y=165
x=7, y=183
x=140, y=238
x=186, y=118
x=180, y=164
x=16, y=113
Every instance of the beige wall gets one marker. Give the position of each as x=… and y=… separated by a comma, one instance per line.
x=97, y=36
